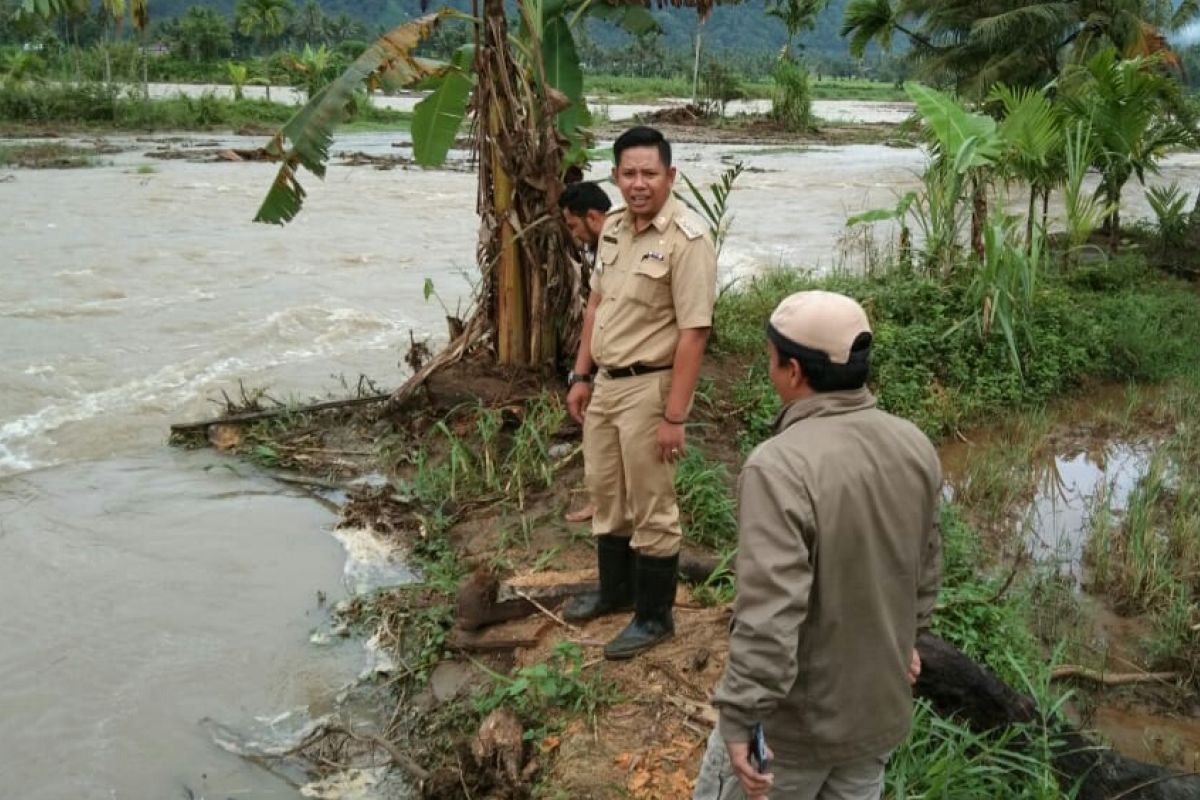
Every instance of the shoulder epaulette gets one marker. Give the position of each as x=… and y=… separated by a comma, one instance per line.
x=686, y=221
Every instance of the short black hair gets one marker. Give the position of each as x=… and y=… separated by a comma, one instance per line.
x=642, y=136
x=823, y=375
x=584, y=196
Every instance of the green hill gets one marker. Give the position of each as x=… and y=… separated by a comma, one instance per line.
x=744, y=28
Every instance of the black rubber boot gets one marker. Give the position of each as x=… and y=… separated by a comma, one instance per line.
x=654, y=580
x=615, y=558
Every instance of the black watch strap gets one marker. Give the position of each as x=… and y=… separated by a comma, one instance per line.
x=577, y=377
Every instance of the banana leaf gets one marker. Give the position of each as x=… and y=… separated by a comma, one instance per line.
x=561, y=60
x=390, y=62
x=965, y=139
x=438, y=118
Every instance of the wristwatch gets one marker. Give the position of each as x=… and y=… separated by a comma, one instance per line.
x=576, y=377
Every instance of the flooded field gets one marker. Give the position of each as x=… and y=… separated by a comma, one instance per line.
x=147, y=589
x=1076, y=480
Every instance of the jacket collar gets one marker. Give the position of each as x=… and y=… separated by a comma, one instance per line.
x=824, y=404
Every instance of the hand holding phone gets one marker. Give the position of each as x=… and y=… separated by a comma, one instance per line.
x=758, y=749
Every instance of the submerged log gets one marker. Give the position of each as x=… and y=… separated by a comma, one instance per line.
x=958, y=687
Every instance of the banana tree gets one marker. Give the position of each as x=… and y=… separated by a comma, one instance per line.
x=964, y=146
x=523, y=91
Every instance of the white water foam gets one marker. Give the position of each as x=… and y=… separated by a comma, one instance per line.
x=372, y=562
x=325, y=332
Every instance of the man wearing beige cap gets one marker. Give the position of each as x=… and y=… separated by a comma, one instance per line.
x=646, y=325
x=838, y=568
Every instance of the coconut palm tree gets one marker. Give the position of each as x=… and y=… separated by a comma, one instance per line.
x=309, y=26
x=262, y=20
x=973, y=44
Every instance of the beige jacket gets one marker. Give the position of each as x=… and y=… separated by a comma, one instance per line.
x=838, y=567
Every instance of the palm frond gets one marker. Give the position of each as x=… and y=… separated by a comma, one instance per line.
x=1023, y=22
x=1186, y=12
x=1031, y=126
x=866, y=21
x=391, y=62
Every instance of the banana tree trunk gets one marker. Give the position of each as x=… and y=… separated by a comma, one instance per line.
x=511, y=314
x=531, y=283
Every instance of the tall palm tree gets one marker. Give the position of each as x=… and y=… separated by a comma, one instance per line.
x=973, y=44
x=797, y=16
x=309, y=25
x=263, y=20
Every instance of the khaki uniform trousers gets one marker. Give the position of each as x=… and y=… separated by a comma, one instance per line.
x=859, y=780
x=631, y=487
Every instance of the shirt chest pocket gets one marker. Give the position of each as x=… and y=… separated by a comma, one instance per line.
x=649, y=282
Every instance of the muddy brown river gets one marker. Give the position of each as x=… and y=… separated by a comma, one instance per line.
x=143, y=589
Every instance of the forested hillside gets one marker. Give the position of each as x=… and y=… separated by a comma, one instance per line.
x=745, y=28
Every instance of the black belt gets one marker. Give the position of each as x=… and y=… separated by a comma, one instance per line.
x=631, y=371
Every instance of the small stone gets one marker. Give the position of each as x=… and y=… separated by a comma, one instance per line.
x=562, y=450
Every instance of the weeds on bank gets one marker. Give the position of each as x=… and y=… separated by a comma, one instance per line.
x=946, y=760
x=982, y=615
x=1146, y=557
x=102, y=105
x=541, y=695
x=1111, y=322
x=703, y=490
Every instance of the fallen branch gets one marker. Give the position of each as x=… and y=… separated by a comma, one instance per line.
x=398, y=758
x=1068, y=671
x=270, y=413
x=547, y=612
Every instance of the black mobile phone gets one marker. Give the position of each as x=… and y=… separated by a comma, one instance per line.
x=758, y=749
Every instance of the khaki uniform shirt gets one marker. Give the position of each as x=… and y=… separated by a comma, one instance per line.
x=838, y=568
x=652, y=285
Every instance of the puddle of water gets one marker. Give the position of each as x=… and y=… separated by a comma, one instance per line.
x=1072, y=487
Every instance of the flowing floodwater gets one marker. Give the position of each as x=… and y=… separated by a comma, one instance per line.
x=145, y=589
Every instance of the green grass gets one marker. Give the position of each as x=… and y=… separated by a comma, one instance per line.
x=1129, y=323
x=95, y=106
x=705, y=500
x=1146, y=557
x=632, y=88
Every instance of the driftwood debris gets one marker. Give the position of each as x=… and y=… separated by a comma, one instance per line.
x=269, y=413
x=1077, y=672
x=958, y=687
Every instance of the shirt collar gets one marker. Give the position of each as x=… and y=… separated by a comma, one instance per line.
x=660, y=222
x=824, y=404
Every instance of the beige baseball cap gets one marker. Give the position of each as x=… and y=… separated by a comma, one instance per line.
x=818, y=320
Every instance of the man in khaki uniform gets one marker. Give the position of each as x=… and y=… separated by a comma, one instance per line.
x=645, y=329
x=838, y=569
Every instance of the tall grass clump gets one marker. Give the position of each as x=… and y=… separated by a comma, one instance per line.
x=791, y=102
x=704, y=491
